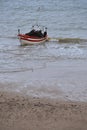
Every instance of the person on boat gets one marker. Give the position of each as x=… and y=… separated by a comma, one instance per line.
x=45, y=33
x=37, y=33
x=31, y=33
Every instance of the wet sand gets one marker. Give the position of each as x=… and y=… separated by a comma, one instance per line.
x=19, y=112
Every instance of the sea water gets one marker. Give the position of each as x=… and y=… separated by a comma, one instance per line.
x=55, y=69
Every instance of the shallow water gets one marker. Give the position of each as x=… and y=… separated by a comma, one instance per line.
x=56, y=69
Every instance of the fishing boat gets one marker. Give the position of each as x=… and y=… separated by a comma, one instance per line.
x=37, y=35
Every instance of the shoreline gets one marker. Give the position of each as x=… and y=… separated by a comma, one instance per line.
x=18, y=112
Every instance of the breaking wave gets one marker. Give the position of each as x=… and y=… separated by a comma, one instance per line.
x=67, y=40
x=8, y=37
x=54, y=39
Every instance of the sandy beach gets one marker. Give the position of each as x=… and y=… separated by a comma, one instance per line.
x=44, y=86
x=18, y=112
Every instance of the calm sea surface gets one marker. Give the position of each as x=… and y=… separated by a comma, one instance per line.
x=56, y=69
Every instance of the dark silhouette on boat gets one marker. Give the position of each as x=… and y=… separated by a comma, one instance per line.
x=37, y=33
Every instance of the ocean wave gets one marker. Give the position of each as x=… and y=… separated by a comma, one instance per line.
x=67, y=40
x=8, y=37
x=16, y=70
x=54, y=39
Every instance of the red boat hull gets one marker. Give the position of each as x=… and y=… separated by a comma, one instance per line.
x=30, y=40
